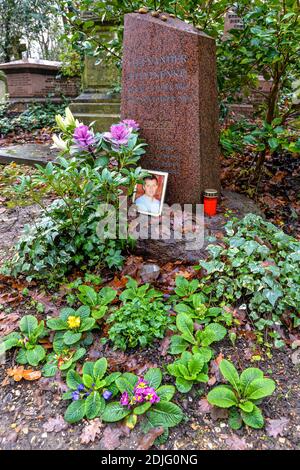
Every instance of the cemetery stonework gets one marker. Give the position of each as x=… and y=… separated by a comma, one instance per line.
x=169, y=88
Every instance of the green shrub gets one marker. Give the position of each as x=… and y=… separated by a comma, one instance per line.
x=190, y=369
x=144, y=396
x=72, y=324
x=30, y=352
x=242, y=395
x=87, y=389
x=140, y=320
x=36, y=116
x=74, y=231
x=259, y=265
x=199, y=340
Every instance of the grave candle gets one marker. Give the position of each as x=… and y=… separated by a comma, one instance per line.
x=210, y=202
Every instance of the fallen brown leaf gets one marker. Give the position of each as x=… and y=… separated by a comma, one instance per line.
x=147, y=441
x=91, y=431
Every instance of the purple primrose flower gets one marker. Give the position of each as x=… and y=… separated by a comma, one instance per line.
x=84, y=137
x=75, y=395
x=124, y=399
x=119, y=134
x=107, y=394
x=80, y=388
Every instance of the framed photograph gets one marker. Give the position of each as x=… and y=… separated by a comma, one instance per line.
x=150, y=195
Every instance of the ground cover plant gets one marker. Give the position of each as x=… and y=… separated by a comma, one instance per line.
x=261, y=265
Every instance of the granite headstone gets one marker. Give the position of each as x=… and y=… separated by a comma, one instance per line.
x=169, y=87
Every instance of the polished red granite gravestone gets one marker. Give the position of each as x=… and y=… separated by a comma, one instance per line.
x=169, y=87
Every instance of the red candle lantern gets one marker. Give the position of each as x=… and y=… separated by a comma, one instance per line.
x=210, y=202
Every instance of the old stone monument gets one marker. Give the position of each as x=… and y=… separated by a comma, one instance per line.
x=3, y=88
x=97, y=102
x=169, y=87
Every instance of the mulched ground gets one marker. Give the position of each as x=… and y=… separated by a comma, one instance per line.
x=28, y=408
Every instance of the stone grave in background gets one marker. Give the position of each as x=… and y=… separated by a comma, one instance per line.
x=97, y=102
x=169, y=87
x=33, y=80
x=248, y=104
x=3, y=88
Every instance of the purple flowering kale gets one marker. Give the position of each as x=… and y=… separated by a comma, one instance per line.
x=131, y=123
x=119, y=134
x=84, y=137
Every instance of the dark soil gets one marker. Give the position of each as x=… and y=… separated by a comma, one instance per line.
x=27, y=407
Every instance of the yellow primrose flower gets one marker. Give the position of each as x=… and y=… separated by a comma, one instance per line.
x=73, y=322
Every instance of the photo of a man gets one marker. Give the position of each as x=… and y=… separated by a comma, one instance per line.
x=148, y=202
x=149, y=196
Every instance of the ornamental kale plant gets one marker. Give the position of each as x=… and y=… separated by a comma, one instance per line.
x=259, y=266
x=72, y=324
x=199, y=340
x=190, y=369
x=91, y=173
x=31, y=331
x=89, y=390
x=144, y=396
x=140, y=320
x=242, y=395
x=97, y=301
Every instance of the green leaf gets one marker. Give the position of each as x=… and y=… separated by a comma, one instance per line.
x=186, y=326
x=28, y=324
x=183, y=385
x=235, y=420
x=83, y=312
x=88, y=295
x=183, y=308
x=154, y=377
x=49, y=369
x=57, y=324
x=247, y=376
x=65, y=313
x=114, y=412
x=73, y=379
x=218, y=330
x=107, y=295
x=87, y=324
x=195, y=364
x=35, y=355
x=178, y=344
x=99, y=312
x=22, y=357
x=222, y=396
x=246, y=406
x=94, y=405
x=165, y=414
x=230, y=373
x=100, y=368
x=75, y=411
x=141, y=409
x=166, y=392
x=88, y=368
x=260, y=388
x=124, y=385
x=71, y=338
x=87, y=380
x=254, y=419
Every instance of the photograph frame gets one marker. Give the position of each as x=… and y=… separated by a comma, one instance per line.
x=163, y=193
